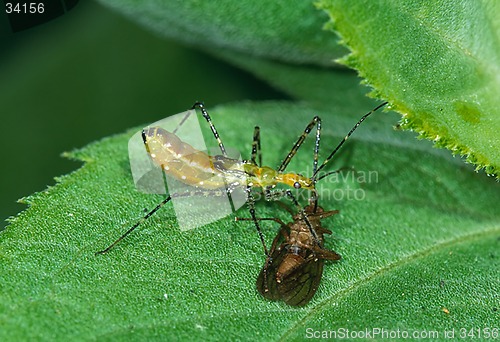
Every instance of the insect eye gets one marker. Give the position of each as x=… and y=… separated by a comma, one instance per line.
x=297, y=185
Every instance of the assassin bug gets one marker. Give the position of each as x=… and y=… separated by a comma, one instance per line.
x=221, y=174
x=293, y=269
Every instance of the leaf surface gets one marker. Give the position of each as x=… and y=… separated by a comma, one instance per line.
x=436, y=62
x=421, y=235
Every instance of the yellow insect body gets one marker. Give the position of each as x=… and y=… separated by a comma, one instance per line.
x=192, y=167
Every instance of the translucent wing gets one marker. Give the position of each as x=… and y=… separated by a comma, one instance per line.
x=266, y=281
x=300, y=285
x=170, y=156
x=148, y=176
x=297, y=286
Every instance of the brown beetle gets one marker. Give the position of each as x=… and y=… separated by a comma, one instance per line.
x=293, y=269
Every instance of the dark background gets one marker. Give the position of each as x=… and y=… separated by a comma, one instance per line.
x=89, y=74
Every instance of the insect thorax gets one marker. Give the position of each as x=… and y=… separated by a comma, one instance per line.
x=266, y=176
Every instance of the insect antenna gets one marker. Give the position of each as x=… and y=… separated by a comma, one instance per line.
x=336, y=171
x=314, y=177
x=316, y=121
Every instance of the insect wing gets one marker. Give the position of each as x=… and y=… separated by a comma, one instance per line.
x=266, y=281
x=147, y=175
x=171, y=163
x=300, y=284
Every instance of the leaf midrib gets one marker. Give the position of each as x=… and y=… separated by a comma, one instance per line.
x=405, y=260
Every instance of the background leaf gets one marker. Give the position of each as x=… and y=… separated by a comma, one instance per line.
x=283, y=30
x=437, y=63
x=68, y=82
x=420, y=240
x=424, y=236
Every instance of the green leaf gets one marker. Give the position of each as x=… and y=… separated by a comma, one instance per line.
x=272, y=29
x=319, y=87
x=435, y=62
x=421, y=236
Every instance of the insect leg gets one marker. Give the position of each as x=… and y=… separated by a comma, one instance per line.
x=201, y=192
x=278, y=194
x=161, y=204
x=275, y=219
x=314, y=176
x=251, y=209
x=282, y=233
x=315, y=121
x=212, y=127
x=314, y=198
x=256, y=151
x=316, y=146
x=262, y=284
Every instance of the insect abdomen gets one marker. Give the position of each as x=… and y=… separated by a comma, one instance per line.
x=180, y=160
